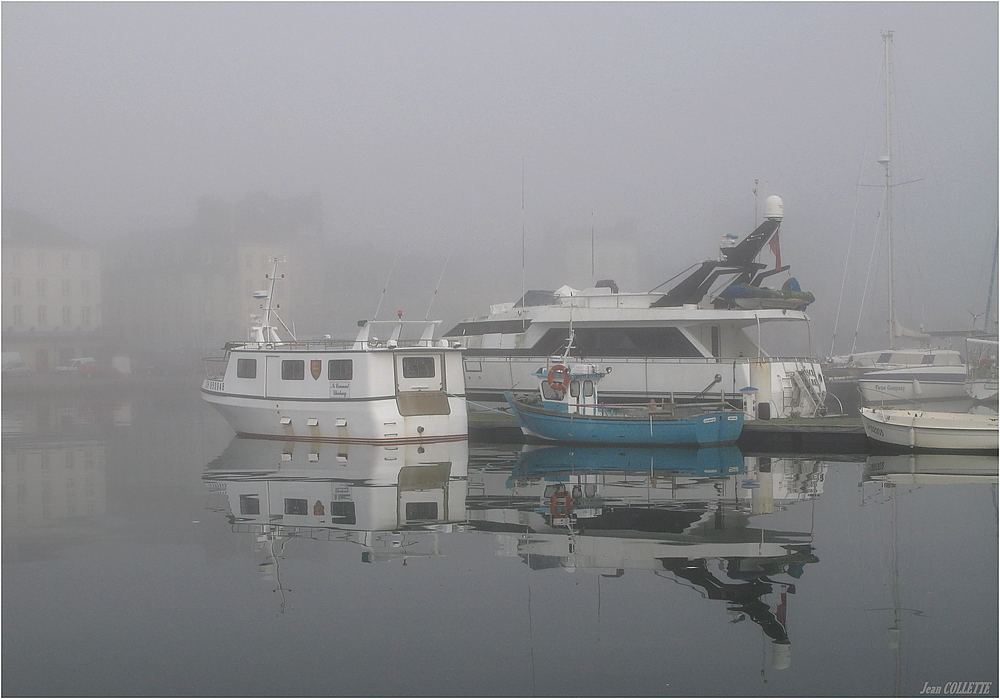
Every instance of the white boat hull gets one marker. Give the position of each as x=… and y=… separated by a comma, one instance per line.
x=921, y=429
x=984, y=390
x=367, y=421
x=914, y=385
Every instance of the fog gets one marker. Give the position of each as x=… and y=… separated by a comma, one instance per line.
x=444, y=132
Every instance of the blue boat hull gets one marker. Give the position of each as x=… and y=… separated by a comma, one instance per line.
x=709, y=428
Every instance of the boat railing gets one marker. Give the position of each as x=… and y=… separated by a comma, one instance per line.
x=657, y=360
x=331, y=344
x=653, y=407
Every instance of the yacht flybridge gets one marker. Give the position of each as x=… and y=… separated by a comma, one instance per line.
x=383, y=391
x=683, y=345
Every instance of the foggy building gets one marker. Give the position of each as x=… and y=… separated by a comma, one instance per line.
x=176, y=296
x=52, y=300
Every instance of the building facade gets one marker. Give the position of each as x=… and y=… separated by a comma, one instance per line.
x=52, y=298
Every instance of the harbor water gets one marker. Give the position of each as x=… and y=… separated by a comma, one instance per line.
x=148, y=551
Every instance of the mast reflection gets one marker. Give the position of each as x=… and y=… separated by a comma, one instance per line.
x=684, y=512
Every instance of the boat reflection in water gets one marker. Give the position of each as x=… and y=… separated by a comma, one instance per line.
x=391, y=500
x=686, y=512
x=929, y=469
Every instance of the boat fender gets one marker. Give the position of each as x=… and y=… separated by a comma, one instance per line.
x=558, y=377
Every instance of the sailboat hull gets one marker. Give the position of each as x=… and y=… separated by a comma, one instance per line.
x=914, y=384
x=932, y=431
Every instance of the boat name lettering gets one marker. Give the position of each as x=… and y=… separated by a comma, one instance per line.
x=875, y=430
x=340, y=389
x=890, y=387
x=215, y=385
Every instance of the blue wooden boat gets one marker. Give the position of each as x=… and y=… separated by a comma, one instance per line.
x=566, y=410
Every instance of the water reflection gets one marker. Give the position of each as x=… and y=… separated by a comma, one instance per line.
x=54, y=476
x=390, y=500
x=684, y=514
x=928, y=469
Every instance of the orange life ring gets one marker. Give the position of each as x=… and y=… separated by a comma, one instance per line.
x=558, y=377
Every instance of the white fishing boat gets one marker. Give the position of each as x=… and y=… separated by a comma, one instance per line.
x=931, y=431
x=698, y=338
x=377, y=390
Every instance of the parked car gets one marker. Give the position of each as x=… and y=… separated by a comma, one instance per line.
x=77, y=363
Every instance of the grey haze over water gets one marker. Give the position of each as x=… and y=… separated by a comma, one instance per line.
x=647, y=123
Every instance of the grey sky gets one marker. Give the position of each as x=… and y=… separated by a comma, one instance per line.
x=412, y=121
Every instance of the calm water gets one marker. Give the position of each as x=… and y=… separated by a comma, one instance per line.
x=146, y=551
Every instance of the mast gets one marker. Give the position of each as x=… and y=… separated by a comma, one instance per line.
x=993, y=278
x=886, y=161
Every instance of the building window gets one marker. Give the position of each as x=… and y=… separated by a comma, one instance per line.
x=85, y=316
x=65, y=288
x=66, y=316
x=418, y=367
x=65, y=261
x=293, y=369
x=42, y=317
x=340, y=369
x=246, y=368
x=41, y=260
x=85, y=288
x=85, y=262
x=15, y=258
x=40, y=288
x=18, y=315
x=15, y=288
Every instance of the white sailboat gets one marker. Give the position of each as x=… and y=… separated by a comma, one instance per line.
x=898, y=375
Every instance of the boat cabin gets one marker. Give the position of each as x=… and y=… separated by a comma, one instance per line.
x=570, y=388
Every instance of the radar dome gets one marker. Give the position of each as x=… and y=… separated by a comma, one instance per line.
x=773, y=208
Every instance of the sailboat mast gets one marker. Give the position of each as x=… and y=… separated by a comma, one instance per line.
x=886, y=160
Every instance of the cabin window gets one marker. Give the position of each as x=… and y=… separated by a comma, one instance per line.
x=417, y=511
x=293, y=369
x=884, y=358
x=418, y=367
x=296, y=506
x=342, y=512
x=619, y=342
x=588, y=388
x=549, y=393
x=574, y=389
x=340, y=369
x=716, y=341
x=249, y=505
x=246, y=368
x=928, y=359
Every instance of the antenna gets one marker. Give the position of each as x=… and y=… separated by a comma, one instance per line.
x=755, y=183
x=434, y=295
x=523, y=323
x=592, y=266
x=382, y=298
